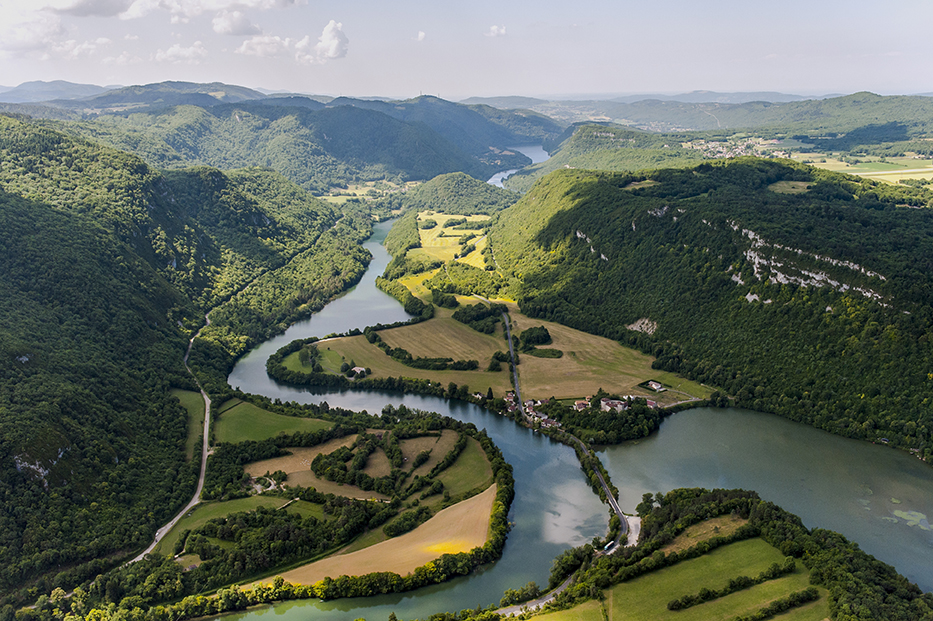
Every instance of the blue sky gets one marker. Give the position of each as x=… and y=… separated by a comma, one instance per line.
x=455, y=50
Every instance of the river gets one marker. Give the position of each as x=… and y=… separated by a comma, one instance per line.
x=876, y=496
x=535, y=152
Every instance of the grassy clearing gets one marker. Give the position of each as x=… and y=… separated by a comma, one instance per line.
x=307, y=509
x=442, y=242
x=445, y=336
x=789, y=187
x=439, y=447
x=415, y=282
x=471, y=471
x=721, y=526
x=194, y=403
x=210, y=510
x=587, y=611
x=378, y=464
x=592, y=362
x=243, y=421
x=365, y=354
x=646, y=597
x=459, y=528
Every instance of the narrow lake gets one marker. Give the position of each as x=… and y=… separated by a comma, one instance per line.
x=878, y=497
x=535, y=152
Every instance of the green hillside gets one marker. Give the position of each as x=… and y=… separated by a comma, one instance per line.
x=798, y=291
x=607, y=147
x=315, y=148
x=109, y=267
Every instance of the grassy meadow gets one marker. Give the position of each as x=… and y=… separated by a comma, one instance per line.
x=592, y=362
x=194, y=403
x=645, y=598
x=240, y=421
x=892, y=170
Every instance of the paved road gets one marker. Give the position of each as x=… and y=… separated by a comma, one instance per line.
x=518, y=390
x=536, y=603
x=205, y=451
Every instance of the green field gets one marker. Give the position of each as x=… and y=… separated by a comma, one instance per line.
x=367, y=355
x=240, y=421
x=210, y=510
x=194, y=403
x=471, y=471
x=646, y=597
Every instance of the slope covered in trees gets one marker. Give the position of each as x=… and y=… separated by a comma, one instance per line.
x=798, y=291
x=109, y=267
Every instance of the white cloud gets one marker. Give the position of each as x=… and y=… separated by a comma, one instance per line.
x=234, y=23
x=420, y=36
x=26, y=31
x=183, y=10
x=72, y=49
x=333, y=43
x=178, y=54
x=123, y=60
x=265, y=46
x=496, y=31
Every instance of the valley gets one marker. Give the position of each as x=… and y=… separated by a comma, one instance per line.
x=754, y=282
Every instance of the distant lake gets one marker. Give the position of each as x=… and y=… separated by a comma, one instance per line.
x=535, y=152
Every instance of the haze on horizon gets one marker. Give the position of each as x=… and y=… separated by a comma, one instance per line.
x=483, y=48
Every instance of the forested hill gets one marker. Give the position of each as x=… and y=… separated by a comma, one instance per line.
x=798, y=291
x=604, y=146
x=108, y=267
x=315, y=148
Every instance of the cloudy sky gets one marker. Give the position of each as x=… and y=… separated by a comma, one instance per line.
x=401, y=48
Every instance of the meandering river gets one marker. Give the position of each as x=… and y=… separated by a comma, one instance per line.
x=876, y=496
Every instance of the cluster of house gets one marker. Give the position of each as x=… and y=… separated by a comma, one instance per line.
x=608, y=405
x=511, y=404
x=760, y=147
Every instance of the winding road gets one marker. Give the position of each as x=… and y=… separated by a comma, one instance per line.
x=205, y=451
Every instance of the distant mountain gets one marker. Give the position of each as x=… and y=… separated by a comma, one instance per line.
x=315, y=148
x=29, y=92
x=506, y=103
x=473, y=128
x=714, y=97
x=165, y=94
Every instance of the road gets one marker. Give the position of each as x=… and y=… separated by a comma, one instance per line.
x=518, y=391
x=205, y=451
x=534, y=604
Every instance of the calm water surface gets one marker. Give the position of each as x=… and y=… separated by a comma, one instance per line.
x=537, y=155
x=878, y=497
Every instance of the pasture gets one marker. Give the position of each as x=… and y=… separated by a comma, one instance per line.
x=592, y=362
x=439, y=447
x=458, y=528
x=240, y=421
x=193, y=402
x=645, y=598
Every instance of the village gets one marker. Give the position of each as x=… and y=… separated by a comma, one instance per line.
x=606, y=404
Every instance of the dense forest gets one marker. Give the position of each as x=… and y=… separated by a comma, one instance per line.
x=796, y=291
x=109, y=267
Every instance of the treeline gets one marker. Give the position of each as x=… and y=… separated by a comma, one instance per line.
x=708, y=255
x=481, y=317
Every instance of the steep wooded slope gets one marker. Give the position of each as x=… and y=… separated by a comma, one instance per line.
x=798, y=291
x=108, y=266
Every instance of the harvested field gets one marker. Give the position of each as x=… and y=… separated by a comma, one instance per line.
x=459, y=528
x=444, y=336
x=299, y=460
x=358, y=349
x=309, y=479
x=721, y=526
x=592, y=362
